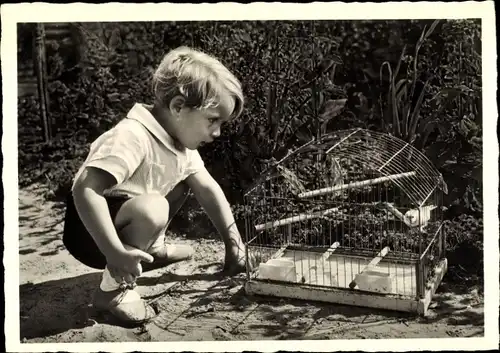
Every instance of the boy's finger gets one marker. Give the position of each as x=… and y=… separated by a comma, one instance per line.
x=144, y=256
x=129, y=278
x=118, y=278
x=118, y=274
x=136, y=270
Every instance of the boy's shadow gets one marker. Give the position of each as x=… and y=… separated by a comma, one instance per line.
x=54, y=307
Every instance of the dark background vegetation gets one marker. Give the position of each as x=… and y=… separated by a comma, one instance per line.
x=418, y=80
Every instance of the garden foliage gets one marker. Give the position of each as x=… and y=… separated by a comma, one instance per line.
x=418, y=80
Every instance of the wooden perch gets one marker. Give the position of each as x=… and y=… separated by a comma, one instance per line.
x=357, y=184
x=293, y=219
x=306, y=278
x=414, y=217
x=394, y=211
x=373, y=263
x=330, y=251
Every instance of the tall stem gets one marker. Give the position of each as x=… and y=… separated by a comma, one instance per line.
x=41, y=73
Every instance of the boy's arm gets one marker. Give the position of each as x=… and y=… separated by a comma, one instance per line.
x=211, y=197
x=94, y=213
x=93, y=209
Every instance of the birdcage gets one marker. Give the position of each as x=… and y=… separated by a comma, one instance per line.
x=354, y=218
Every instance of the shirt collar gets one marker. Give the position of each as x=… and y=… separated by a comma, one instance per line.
x=142, y=115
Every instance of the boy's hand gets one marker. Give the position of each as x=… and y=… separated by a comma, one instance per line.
x=127, y=265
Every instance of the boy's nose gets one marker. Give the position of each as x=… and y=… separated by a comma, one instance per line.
x=216, y=133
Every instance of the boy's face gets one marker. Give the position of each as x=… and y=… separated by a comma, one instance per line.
x=195, y=127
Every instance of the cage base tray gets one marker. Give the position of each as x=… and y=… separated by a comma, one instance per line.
x=351, y=297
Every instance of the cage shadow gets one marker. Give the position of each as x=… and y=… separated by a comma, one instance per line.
x=303, y=315
x=202, y=302
x=278, y=331
x=270, y=317
x=339, y=312
x=173, y=277
x=215, y=293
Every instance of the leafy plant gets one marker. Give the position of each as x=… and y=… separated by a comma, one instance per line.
x=465, y=246
x=407, y=95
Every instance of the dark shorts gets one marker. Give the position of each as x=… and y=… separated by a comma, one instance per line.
x=78, y=240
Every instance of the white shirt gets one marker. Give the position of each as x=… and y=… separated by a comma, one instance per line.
x=141, y=156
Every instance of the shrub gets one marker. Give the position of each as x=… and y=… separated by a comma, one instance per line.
x=465, y=248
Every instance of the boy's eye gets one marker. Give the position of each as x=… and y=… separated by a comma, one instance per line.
x=213, y=120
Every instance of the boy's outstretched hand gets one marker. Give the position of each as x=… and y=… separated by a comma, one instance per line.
x=235, y=261
x=126, y=265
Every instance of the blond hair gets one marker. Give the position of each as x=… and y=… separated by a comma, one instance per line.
x=199, y=78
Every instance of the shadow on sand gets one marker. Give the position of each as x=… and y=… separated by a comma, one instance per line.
x=52, y=307
x=56, y=306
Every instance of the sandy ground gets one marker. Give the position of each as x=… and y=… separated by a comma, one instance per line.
x=196, y=303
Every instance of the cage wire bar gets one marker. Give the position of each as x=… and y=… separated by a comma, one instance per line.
x=353, y=205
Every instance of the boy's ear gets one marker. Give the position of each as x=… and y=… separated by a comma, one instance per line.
x=176, y=104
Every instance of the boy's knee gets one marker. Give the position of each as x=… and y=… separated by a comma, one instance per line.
x=150, y=211
x=157, y=218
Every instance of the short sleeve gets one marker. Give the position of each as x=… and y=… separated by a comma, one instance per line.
x=195, y=164
x=119, y=151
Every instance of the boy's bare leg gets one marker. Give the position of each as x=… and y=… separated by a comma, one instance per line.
x=159, y=249
x=140, y=222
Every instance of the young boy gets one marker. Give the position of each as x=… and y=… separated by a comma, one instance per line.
x=138, y=174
